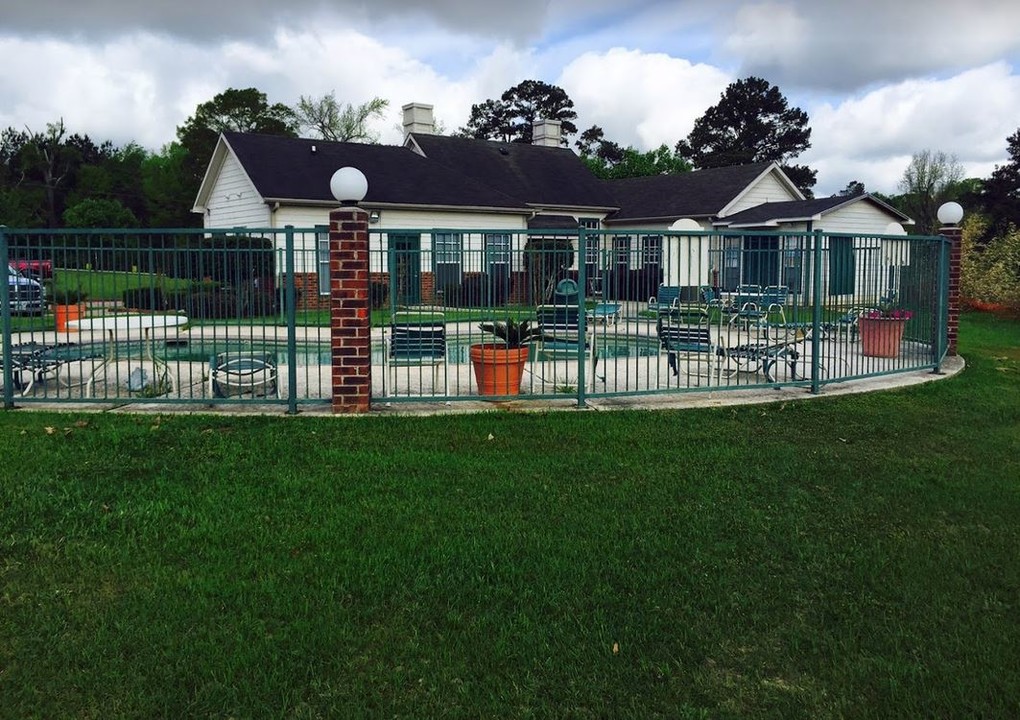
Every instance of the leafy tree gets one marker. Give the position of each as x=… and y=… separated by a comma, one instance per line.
x=48, y=161
x=752, y=123
x=99, y=213
x=853, y=189
x=633, y=163
x=330, y=120
x=1000, y=196
x=929, y=180
x=607, y=160
x=169, y=192
x=244, y=110
x=510, y=118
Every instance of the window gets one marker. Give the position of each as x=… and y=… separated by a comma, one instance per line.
x=651, y=249
x=447, y=250
x=621, y=248
x=588, y=223
x=841, y=266
x=497, y=247
x=591, y=254
x=322, y=251
x=792, y=264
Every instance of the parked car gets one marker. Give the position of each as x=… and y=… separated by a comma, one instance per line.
x=34, y=269
x=27, y=296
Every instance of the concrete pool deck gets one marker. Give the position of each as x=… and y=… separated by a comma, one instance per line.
x=189, y=381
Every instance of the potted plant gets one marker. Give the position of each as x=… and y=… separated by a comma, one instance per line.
x=68, y=305
x=500, y=366
x=881, y=330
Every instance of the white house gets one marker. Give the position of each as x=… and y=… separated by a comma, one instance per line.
x=450, y=207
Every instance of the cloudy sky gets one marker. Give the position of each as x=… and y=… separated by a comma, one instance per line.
x=879, y=79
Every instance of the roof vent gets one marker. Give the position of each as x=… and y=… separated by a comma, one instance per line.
x=313, y=149
x=504, y=150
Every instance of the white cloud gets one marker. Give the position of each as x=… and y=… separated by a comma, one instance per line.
x=871, y=137
x=847, y=46
x=641, y=99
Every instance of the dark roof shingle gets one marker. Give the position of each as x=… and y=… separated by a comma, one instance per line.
x=771, y=213
x=531, y=173
x=300, y=169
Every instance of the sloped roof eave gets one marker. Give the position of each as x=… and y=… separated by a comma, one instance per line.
x=659, y=218
x=304, y=202
x=772, y=167
x=770, y=222
x=221, y=152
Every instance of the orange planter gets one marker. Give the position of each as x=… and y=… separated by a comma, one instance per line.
x=881, y=337
x=67, y=313
x=498, y=369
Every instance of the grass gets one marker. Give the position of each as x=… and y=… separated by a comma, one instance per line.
x=844, y=557
x=110, y=285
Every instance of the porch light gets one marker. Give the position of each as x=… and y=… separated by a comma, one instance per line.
x=349, y=185
x=951, y=213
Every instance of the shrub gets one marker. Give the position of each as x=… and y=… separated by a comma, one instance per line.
x=379, y=293
x=144, y=299
x=990, y=274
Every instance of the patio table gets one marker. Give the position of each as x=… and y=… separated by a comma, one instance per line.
x=126, y=327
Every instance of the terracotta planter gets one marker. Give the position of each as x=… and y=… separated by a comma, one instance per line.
x=498, y=369
x=67, y=313
x=881, y=337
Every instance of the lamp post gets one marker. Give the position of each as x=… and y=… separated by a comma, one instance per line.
x=950, y=214
x=349, y=186
x=349, y=307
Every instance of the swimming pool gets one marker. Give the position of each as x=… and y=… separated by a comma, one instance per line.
x=457, y=350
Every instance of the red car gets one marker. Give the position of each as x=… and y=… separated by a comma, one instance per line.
x=38, y=269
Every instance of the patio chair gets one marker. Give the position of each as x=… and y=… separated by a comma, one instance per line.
x=666, y=299
x=711, y=298
x=37, y=362
x=417, y=340
x=234, y=375
x=560, y=328
x=686, y=338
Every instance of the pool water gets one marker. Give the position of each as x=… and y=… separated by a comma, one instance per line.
x=457, y=350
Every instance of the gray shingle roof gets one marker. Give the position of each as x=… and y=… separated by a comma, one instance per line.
x=287, y=168
x=772, y=213
x=531, y=173
x=701, y=193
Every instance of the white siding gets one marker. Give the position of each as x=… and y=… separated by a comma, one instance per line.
x=233, y=201
x=395, y=220
x=874, y=256
x=767, y=189
x=860, y=218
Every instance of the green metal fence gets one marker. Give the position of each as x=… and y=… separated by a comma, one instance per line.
x=166, y=316
x=241, y=315
x=661, y=312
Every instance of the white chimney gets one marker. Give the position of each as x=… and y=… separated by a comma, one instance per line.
x=418, y=119
x=546, y=133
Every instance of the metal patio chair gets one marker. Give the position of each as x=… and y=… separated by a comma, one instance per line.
x=417, y=340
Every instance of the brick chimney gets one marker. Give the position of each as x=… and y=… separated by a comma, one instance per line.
x=546, y=133
x=418, y=119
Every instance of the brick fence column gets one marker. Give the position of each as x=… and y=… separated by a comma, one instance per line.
x=350, y=317
x=954, y=234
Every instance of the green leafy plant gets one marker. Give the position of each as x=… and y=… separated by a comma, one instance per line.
x=67, y=296
x=515, y=333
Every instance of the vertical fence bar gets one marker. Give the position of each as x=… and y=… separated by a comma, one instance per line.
x=816, y=311
x=5, y=312
x=582, y=312
x=291, y=300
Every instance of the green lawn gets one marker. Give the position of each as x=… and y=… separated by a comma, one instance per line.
x=852, y=557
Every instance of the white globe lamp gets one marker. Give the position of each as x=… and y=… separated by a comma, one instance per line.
x=349, y=185
x=951, y=213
